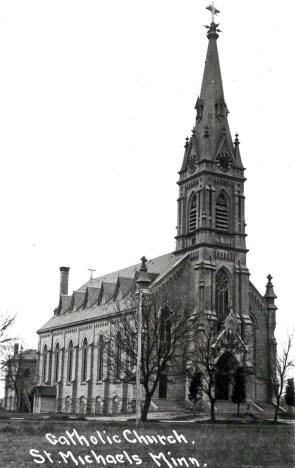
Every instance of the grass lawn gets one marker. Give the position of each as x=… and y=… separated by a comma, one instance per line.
x=220, y=445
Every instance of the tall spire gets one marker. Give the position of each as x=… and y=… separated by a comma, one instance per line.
x=211, y=107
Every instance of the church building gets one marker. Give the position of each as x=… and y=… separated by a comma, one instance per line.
x=208, y=268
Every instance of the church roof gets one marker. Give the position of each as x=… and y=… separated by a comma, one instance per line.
x=100, y=292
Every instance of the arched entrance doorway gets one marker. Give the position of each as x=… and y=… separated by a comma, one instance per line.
x=226, y=368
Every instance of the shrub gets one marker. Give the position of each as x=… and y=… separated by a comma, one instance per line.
x=290, y=393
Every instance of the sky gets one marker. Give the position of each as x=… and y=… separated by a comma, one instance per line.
x=96, y=99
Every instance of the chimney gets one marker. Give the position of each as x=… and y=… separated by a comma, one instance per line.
x=15, y=349
x=64, y=280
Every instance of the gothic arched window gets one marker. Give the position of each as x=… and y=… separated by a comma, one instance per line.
x=118, y=355
x=222, y=294
x=252, y=343
x=192, y=213
x=100, y=351
x=222, y=212
x=84, y=360
x=70, y=361
x=165, y=326
x=44, y=369
x=56, y=367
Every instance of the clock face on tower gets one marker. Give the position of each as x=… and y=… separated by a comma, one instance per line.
x=223, y=162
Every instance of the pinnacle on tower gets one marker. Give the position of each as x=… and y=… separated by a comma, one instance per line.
x=269, y=295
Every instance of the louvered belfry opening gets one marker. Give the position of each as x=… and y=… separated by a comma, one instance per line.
x=222, y=213
x=193, y=213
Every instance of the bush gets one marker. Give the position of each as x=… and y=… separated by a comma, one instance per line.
x=195, y=391
x=10, y=428
x=290, y=393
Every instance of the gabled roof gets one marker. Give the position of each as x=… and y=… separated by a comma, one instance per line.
x=91, y=297
x=77, y=299
x=158, y=269
x=123, y=287
x=108, y=290
x=64, y=304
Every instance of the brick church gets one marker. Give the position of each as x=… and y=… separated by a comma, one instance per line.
x=207, y=268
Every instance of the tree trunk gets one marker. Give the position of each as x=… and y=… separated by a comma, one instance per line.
x=275, y=419
x=145, y=409
x=212, y=410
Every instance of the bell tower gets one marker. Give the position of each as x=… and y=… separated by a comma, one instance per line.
x=211, y=215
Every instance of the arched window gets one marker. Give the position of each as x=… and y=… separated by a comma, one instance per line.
x=165, y=326
x=70, y=361
x=67, y=404
x=210, y=200
x=82, y=405
x=100, y=356
x=84, y=360
x=253, y=340
x=222, y=212
x=222, y=294
x=56, y=367
x=118, y=356
x=192, y=213
x=44, y=369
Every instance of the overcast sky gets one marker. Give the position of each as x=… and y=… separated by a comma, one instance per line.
x=96, y=99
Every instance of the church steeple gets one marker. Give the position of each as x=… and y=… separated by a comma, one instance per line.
x=211, y=106
x=212, y=175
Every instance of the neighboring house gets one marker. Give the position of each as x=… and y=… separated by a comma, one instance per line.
x=20, y=380
x=208, y=268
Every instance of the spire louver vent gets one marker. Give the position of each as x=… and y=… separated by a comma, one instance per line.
x=222, y=215
x=193, y=213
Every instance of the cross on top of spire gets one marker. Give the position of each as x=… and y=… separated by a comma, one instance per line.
x=213, y=28
x=213, y=10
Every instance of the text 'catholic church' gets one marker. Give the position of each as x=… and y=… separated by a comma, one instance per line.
x=208, y=269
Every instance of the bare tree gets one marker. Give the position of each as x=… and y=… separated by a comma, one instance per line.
x=6, y=323
x=165, y=331
x=280, y=372
x=203, y=357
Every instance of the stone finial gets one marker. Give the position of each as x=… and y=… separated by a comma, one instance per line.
x=143, y=266
x=213, y=31
x=186, y=142
x=237, y=141
x=143, y=279
x=269, y=295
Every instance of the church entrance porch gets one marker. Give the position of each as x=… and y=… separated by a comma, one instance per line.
x=226, y=367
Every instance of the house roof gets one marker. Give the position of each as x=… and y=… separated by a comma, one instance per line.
x=158, y=268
